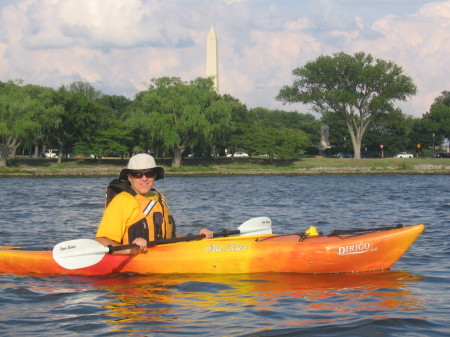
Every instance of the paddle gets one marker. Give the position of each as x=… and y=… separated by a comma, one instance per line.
x=81, y=253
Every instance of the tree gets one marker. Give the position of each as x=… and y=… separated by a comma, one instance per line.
x=260, y=130
x=85, y=89
x=356, y=88
x=241, y=121
x=111, y=138
x=443, y=99
x=393, y=130
x=279, y=133
x=422, y=133
x=282, y=142
x=80, y=120
x=434, y=126
x=116, y=105
x=440, y=114
x=47, y=115
x=16, y=124
x=177, y=115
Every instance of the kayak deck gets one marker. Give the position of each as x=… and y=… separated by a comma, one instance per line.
x=241, y=254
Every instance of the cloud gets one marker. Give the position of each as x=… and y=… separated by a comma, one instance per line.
x=420, y=43
x=99, y=24
x=298, y=24
x=118, y=46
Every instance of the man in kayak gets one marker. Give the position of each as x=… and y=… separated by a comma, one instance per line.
x=139, y=213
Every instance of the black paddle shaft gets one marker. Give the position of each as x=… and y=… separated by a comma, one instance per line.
x=222, y=233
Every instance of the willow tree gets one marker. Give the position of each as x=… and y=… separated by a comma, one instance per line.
x=356, y=88
x=17, y=109
x=177, y=115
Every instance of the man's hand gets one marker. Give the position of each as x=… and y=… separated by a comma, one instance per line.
x=141, y=243
x=206, y=232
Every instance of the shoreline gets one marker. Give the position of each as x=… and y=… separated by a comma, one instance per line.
x=214, y=167
x=30, y=172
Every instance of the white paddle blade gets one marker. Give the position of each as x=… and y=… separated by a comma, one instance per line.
x=75, y=254
x=256, y=226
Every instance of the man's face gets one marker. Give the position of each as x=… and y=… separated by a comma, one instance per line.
x=142, y=181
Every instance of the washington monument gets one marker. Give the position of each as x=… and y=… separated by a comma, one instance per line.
x=212, y=69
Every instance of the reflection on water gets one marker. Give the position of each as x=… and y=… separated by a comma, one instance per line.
x=180, y=299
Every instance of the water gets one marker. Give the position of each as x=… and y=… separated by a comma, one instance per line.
x=410, y=300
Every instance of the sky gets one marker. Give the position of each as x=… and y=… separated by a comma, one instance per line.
x=118, y=46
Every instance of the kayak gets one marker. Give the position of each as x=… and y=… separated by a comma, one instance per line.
x=339, y=252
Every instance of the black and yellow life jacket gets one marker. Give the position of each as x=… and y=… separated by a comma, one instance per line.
x=157, y=221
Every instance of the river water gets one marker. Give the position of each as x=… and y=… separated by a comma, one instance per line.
x=412, y=299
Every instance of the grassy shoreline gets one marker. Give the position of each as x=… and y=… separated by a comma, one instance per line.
x=26, y=167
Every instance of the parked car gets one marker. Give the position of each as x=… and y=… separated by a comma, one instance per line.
x=344, y=155
x=404, y=155
x=238, y=154
x=368, y=154
x=441, y=155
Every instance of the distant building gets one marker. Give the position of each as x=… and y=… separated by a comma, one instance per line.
x=212, y=69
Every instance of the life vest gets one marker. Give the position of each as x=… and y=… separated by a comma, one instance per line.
x=115, y=187
x=156, y=222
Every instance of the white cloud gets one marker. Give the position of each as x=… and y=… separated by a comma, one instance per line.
x=120, y=45
x=298, y=24
x=420, y=43
x=99, y=24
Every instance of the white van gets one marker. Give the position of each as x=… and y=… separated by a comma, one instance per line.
x=51, y=153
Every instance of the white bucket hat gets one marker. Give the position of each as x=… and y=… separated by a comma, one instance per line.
x=141, y=161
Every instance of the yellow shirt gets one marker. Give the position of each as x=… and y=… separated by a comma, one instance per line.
x=122, y=212
x=125, y=210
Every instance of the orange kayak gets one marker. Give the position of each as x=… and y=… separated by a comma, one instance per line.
x=293, y=253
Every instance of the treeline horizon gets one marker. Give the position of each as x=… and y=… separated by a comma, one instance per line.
x=174, y=118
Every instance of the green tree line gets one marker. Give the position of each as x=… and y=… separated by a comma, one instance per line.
x=173, y=118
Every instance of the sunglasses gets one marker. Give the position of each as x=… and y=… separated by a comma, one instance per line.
x=139, y=174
